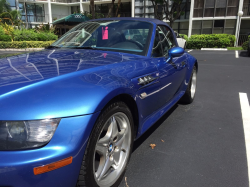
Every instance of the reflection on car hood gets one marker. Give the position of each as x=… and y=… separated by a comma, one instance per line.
x=25, y=69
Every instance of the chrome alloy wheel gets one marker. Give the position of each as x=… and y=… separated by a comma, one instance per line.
x=193, y=84
x=112, y=150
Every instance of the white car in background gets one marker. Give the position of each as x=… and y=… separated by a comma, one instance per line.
x=181, y=41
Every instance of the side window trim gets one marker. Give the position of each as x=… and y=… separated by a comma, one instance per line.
x=160, y=44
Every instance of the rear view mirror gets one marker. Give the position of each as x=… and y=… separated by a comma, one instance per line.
x=176, y=52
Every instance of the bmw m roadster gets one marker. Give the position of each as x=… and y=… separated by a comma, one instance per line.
x=69, y=114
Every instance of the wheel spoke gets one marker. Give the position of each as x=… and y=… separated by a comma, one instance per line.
x=121, y=137
x=121, y=122
x=114, y=128
x=108, y=163
x=104, y=140
x=117, y=153
x=101, y=149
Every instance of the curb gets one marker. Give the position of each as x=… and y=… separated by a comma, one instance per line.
x=214, y=49
x=26, y=49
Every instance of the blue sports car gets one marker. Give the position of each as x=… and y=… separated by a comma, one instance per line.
x=69, y=114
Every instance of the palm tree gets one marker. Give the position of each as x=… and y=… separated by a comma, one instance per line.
x=11, y=17
x=4, y=6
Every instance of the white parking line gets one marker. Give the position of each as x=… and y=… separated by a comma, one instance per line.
x=236, y=54
x=245, y=110
x=190, y=51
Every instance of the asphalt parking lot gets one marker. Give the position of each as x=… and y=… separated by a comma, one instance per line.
x=204, y=144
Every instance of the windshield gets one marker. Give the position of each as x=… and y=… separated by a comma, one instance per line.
x=109, y=35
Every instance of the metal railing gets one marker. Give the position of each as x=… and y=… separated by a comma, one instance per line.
x=32, y=18
x=246, y=10
x=122, y=14
x=33, y=0
x=66, y=1
x=242, y=39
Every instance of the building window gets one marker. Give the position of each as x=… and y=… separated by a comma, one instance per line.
x=196, y=27
x=246, y=8
x=35, y=13
x=207, y=27
x=219, y=23
x=181, y=27
x=217, y=8
x=214, y=27
x=75, y=9
x=124, y=10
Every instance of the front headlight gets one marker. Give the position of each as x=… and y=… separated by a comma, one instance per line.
x=16, y=135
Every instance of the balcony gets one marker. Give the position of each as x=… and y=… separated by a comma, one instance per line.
x=246, y=10
x=38, y=19
x=122, y=14
x=34, y=0
x=66, y=1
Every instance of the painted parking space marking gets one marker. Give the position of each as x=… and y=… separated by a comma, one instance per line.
x=245, y=110
x=190, y=51
x=236, y=54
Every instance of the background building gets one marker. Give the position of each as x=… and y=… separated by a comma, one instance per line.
x=206, y=17
x=201, y=16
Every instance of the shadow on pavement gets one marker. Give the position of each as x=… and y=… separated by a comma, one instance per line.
x=140, y=140
x=244, y=54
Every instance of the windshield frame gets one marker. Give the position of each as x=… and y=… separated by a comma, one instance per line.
x=144, y=52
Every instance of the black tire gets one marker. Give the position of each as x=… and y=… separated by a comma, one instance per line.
x=248, y=51
x=187, y=98
x=86, y=177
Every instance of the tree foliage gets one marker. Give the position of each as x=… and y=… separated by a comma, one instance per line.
x=168, y=9
x=90, y=16
x=8, y=30
x=4, y=6
x=11, y=17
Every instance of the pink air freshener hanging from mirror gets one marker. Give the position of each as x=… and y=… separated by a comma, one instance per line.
x=105, y=35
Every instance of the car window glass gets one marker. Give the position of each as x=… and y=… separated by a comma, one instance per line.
x=137, y=35
x=167, y=39
x=157, y=48
x=109, y=35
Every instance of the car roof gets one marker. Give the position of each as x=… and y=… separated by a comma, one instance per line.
x=155, y=21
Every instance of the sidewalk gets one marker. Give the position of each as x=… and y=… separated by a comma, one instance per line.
x=25, y=49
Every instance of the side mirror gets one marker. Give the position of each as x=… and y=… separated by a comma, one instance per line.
x=176, y=52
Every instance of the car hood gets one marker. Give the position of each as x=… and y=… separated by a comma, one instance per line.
x=57, y=83
x=26, y=69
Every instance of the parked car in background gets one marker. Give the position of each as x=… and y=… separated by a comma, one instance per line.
x=70, y=113
x=181, y=41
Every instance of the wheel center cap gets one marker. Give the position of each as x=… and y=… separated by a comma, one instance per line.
x=110, y=147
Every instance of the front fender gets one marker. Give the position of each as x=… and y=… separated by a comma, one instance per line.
x=79, y=93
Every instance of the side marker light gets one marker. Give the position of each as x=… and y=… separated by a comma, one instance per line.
x=53, y=166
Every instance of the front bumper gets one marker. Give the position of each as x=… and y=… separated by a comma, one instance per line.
x=70, y=139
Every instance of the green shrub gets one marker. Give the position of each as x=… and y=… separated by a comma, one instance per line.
x=46, y=36
x=1, y=30
x=184, y=36
x=245, y=45
x=5, y=38
x=32, y=35
x=210, y=41
x=25, y=44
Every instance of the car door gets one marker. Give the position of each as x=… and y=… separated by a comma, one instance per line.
x=149, y=85
x=172, y=71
